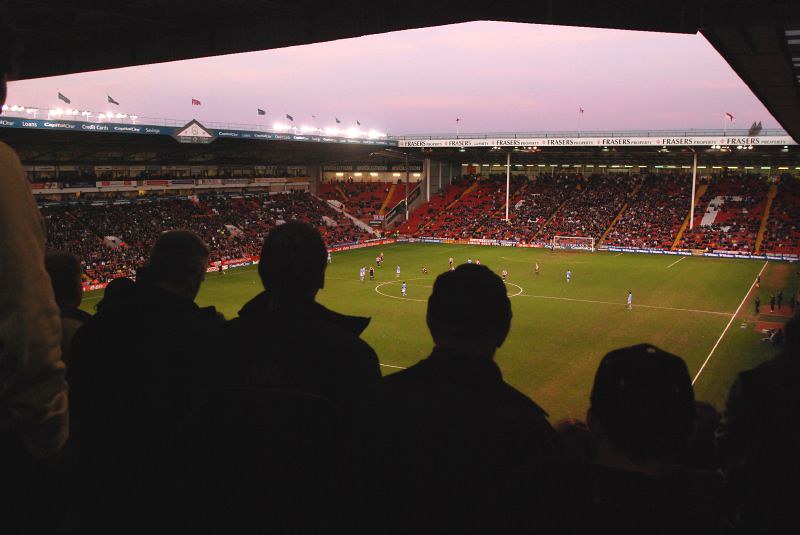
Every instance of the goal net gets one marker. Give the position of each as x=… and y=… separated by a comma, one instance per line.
x=573, y=242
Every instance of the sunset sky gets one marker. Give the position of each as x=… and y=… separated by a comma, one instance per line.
x=494, y=76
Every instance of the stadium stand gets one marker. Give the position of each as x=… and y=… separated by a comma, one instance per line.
x=590, y=210
x=783, y=227
x=112, y=239
x=728, y=215
x=655, y=213
x=361, y=199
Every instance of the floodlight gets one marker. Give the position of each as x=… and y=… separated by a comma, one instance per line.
x=5, y=107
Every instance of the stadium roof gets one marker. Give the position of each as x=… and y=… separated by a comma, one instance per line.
x=760, y=39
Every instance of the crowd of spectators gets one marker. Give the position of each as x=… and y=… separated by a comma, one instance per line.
x=572, y=205
x=591, y=210
x=361, y=199
x=782, y=234
x=734, y=203
x=654, y=215
x=112, y=239
x=538, y=203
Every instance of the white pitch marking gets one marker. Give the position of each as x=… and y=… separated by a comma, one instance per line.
x=729, y=324
x=618, y=254
x=518, y=286
x=625, y=304
x=675, y=262
x=390, y=366
x=377, y=290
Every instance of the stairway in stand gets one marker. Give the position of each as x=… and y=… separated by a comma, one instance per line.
x=382, y=211
x=773, y=191
x=621, y=211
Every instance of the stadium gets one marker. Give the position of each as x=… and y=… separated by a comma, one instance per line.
x=685, y=240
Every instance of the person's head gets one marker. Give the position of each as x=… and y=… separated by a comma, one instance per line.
x=65, y=276
x=293, y=261
x=178, y=262
x=118, y=291
x=642, y=403
x=469, y=310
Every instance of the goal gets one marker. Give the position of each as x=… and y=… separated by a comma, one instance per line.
x=573, y=242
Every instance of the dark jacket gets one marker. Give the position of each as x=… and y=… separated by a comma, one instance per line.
x=72, y=319
x=136, y=367
x=758, y=442
x=300, y=346
x=445, y=439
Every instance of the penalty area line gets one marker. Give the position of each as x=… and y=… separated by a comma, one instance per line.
x=390, y=366
x=729, y=323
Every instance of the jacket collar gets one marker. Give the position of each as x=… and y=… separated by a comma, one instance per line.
x=262, y=305
x=466, y=365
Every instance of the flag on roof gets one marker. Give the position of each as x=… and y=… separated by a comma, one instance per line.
x=337, y=120
x=458, y=119
x=290, y=117
x=63, y=97
x=261, y=112
x=111, y=100
x=729, y=115
x=358, y=122
x=580, y=110
x=196, y=102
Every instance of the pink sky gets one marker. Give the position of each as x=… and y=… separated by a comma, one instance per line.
x=495, y=76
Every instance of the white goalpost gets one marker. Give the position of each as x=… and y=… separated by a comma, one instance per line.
x=573, y=242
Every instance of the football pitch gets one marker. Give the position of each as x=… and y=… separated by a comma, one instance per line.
x=698, y=308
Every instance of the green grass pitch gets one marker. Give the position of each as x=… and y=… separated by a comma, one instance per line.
x=560, y=331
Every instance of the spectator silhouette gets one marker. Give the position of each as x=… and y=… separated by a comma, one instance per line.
x=33, y=395
x=269, y=344
x=119, y=291
x=65, y=276
x=138, y=367
x=642, y=415
x=758, y=440
x=444, y=436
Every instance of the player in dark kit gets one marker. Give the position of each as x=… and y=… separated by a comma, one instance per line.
x=772, y=303
x=371, y=273
x=780, y=299
x=758, y=305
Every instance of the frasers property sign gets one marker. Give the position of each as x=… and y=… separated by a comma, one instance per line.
x=698, y=141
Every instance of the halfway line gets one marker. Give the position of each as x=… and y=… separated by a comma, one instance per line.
x=675, y=262
x=625, y=304
x=729, y=323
